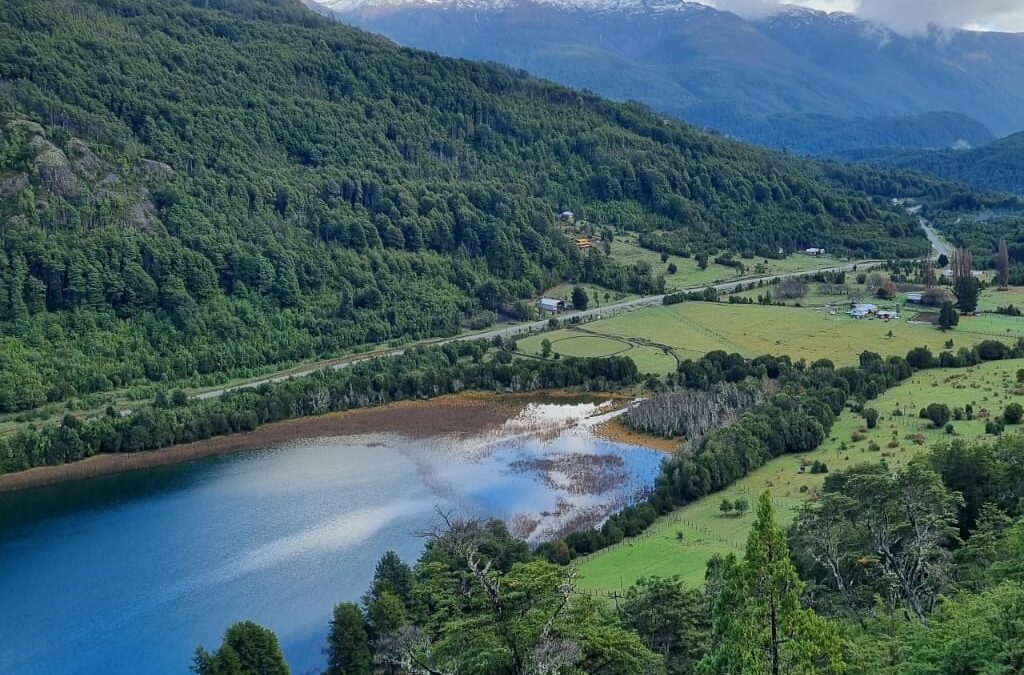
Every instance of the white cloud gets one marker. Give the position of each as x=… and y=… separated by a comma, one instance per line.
x=904, y=16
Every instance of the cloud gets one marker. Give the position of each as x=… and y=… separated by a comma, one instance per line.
x=902, y=16
x=910, y=16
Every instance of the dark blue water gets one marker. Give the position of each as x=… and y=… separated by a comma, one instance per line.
x=128, y=573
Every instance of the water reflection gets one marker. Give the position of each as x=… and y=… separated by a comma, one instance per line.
x=127, y=573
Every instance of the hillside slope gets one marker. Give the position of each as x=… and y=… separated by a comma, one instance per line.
x=717, y=69
x=996, y=166
x=198, y=189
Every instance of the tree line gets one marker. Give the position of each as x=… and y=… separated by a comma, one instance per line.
x=417, y=373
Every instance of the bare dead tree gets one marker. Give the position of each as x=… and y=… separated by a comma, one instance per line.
x=928, y=273
x=962, y=263
x=693, y=413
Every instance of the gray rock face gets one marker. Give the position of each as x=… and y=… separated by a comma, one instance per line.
x=153, y=168
x=54, y=168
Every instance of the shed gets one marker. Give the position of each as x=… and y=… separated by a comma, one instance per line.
x=887, y=314
x=915, y=298
x=553, y=305
x=815, y=251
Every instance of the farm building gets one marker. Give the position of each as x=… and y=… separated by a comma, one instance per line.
x=566, y=215
x=815, y=251
x=915, y=298
x=553, y=305
x=861, y=310
x=887, y=314
x=583, y=243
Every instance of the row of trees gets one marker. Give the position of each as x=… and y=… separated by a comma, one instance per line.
x=417, y=373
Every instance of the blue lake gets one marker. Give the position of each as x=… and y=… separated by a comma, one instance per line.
x=128, y=573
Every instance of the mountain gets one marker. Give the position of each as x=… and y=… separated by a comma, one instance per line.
x=196, y=189
x=765, y=80
x=997, y=166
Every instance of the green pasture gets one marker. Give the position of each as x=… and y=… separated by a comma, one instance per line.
x=691, y=329
x=706, y=531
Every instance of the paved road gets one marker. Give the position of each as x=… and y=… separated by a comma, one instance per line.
x=536, y=326
x=939, y=245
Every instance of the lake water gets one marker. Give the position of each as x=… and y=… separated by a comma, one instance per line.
x=128, y=573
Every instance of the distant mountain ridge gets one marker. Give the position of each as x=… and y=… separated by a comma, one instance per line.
x=716, y=69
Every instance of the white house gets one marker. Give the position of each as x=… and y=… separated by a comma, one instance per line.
x=815, y=251
x=915, y=298
x=887, y=314
x=553, y=305
x=861, y=310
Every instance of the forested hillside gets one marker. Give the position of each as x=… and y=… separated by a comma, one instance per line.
x=201, y=188
x=996, y=166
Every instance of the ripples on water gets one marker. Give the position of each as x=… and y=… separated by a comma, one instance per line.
x=127, y=573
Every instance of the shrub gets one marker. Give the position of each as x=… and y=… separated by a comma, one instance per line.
x=1013, y=413
x=871, y=416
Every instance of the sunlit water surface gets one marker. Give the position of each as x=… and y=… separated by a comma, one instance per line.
x=128, y=573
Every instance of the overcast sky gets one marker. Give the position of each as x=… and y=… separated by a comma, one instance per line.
x=904, y=16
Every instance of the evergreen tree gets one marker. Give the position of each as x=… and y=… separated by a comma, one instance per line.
x=948, y=318
x=759, y=624
x=348, y=647
x=966, y=289
x=580, y=300
x=247, y=649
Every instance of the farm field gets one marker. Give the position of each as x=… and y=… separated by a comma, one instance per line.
x=655, y=337
x=689, y=275
x=706, y=531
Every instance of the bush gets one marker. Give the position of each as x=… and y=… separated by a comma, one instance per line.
x=938, y=413
x=1013, y=413
x=994, y=428
x=871, y=417
x=819, y=467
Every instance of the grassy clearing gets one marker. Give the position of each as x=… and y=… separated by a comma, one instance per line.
x=688, y=274
x=692, y=329
x=599, y=295
x=705, y=530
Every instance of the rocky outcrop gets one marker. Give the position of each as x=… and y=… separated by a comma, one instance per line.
x=153, y=169
x=54, y=169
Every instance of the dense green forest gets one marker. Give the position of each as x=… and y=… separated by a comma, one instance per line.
x=195, y=189
x=995, y=166
x=909, y=570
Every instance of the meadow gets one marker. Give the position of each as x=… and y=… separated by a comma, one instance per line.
x=682, y=542
x=689, y=275
x=656, y=337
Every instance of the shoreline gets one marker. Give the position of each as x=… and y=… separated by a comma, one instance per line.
x=462, y=413
x=615, y=431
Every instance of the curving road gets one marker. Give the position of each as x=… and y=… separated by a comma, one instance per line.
x=537, y=326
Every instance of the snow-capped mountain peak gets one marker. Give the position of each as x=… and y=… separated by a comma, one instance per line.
x=603, y=6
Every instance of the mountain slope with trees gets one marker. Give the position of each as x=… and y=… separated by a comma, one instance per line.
x=996, y=166
x=797, y=79
x=196, y=189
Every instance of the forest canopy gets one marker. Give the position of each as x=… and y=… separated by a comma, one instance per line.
x=204, y=188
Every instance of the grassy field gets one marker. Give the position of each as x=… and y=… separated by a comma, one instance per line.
x=705, y=531
x=688, y=274
x=654, y=337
